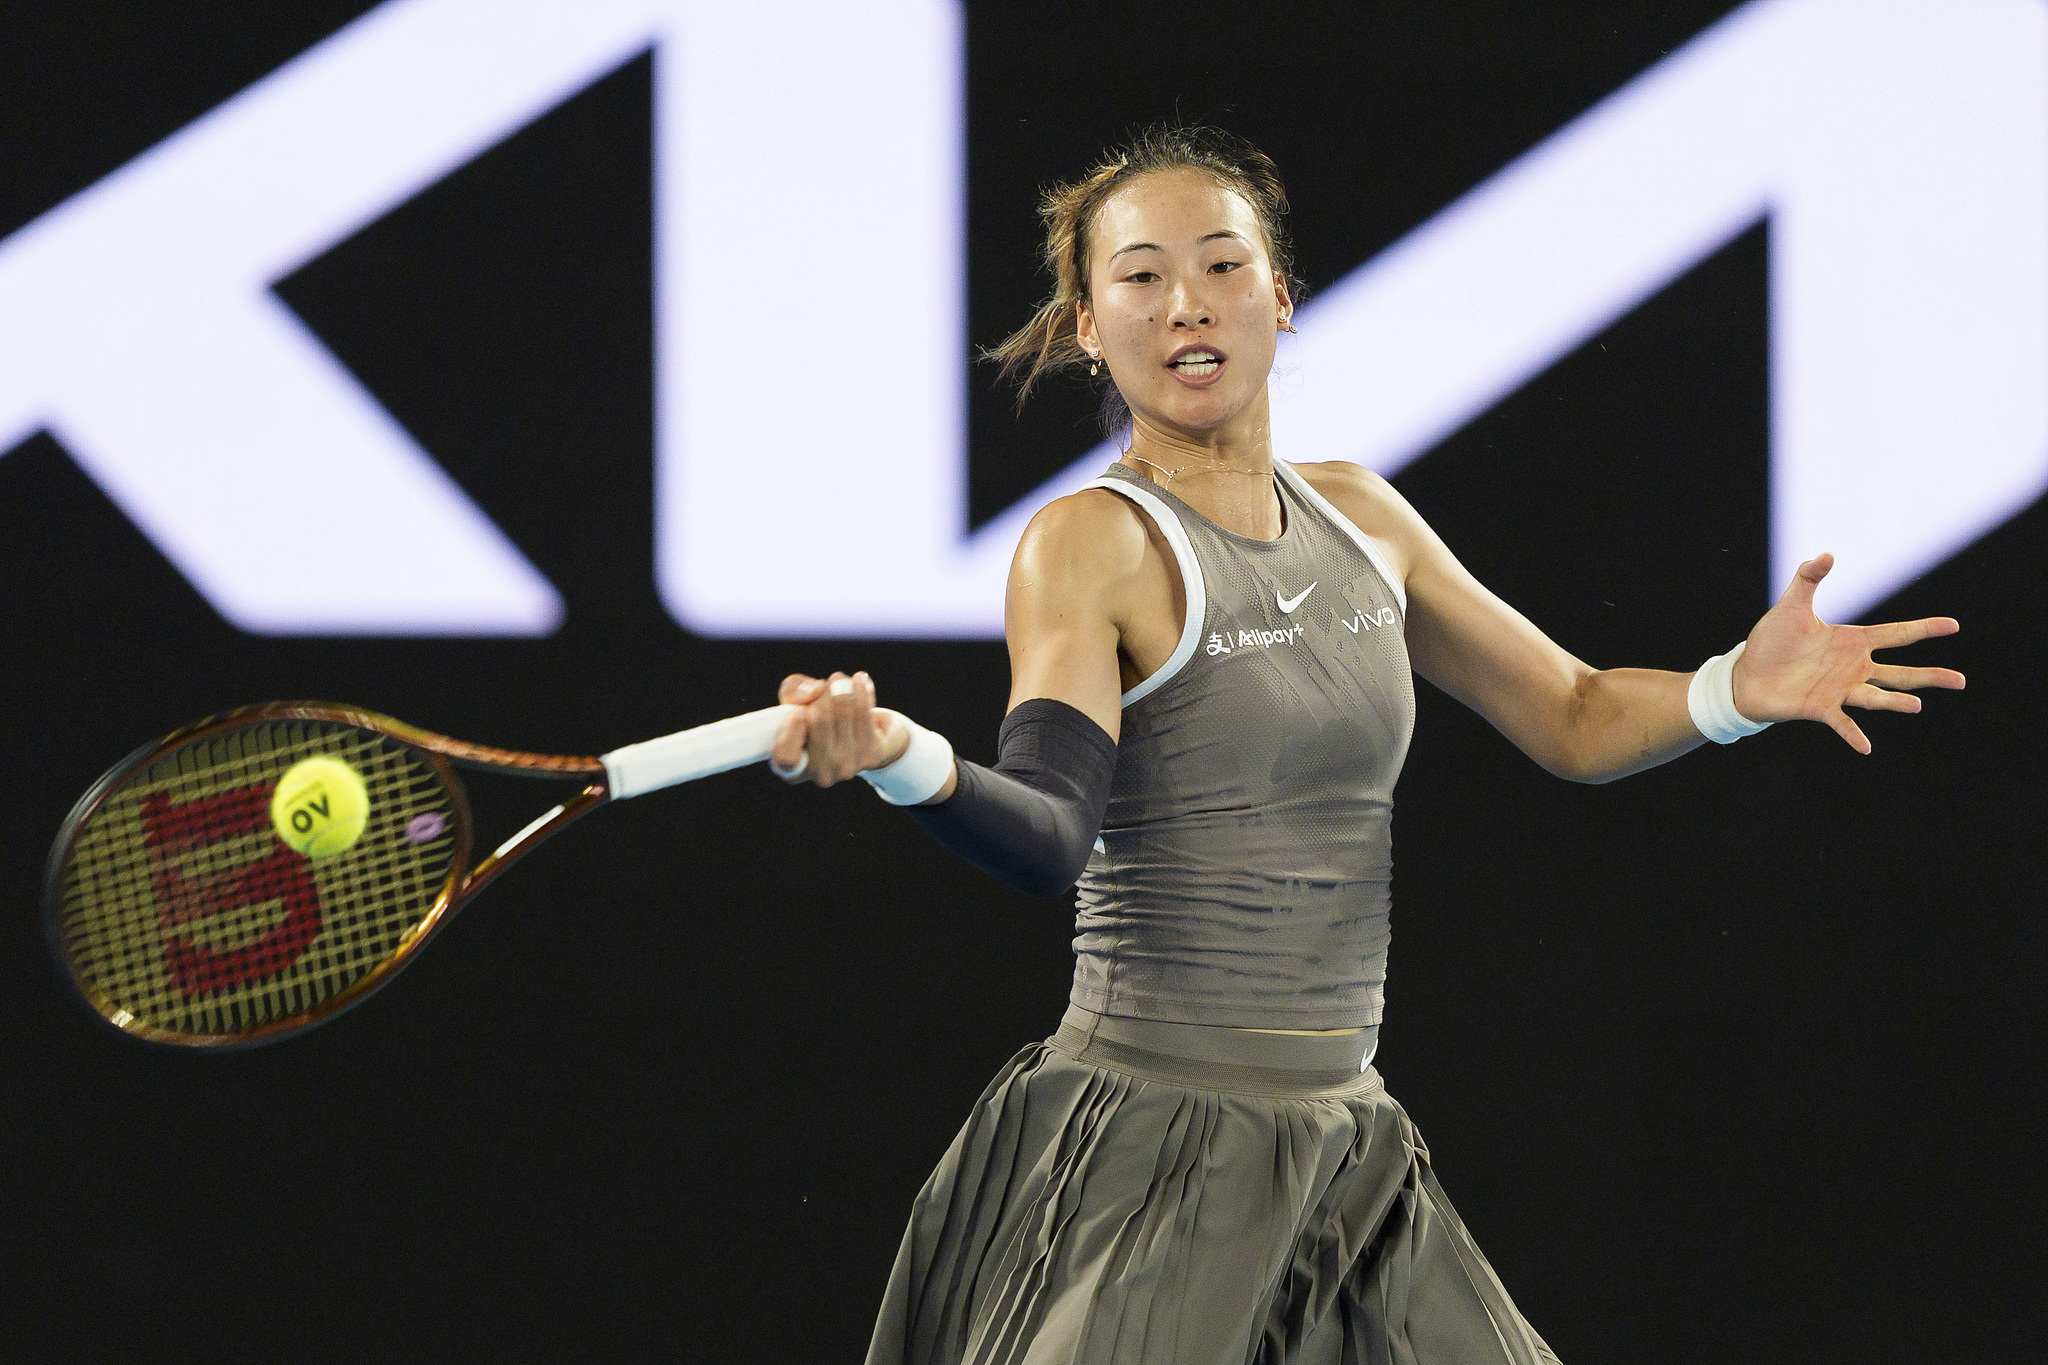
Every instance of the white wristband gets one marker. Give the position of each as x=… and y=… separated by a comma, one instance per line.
x=918, y=773
x=1711, y=699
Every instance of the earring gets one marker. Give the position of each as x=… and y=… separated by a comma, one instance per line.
x=1286, y=326
x=1095, y=368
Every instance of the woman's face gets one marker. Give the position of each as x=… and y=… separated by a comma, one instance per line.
x=1183, y=306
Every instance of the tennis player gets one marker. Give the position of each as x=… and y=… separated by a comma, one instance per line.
x=1211, y=700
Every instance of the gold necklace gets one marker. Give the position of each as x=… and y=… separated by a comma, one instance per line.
x=1219, y=469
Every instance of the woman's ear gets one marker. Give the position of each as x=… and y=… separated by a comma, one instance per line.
x=1084, y=328
x=1286, y=302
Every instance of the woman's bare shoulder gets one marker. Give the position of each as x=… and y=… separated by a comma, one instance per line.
x=1093, y=533
x=1358, y=493
x=1372, y=504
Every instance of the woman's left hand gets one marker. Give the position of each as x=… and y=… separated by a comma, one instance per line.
x=1796, y=666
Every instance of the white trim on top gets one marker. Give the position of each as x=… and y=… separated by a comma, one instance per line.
x=1191, y=584
x=1294, y=480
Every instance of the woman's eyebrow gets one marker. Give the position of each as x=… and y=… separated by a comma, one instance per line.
x=1154, y=246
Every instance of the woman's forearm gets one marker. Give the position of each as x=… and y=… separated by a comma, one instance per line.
x=1031, y=820
x=1623, y=720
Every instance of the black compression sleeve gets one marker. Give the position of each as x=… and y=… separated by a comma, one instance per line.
x=1032, y=818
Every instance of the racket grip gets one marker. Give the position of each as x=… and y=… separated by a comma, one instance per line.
x=690, y=754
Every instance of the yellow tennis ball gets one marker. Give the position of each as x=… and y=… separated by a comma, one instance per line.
x=320, y=806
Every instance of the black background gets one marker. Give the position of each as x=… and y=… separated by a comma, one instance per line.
x=1733, y=1060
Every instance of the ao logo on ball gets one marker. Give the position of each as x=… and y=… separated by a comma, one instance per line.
x=320, y=807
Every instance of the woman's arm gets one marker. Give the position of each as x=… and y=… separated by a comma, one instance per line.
x=1093, y=605
x=1032, y=818
x=1594, y=725
x=1082, y=562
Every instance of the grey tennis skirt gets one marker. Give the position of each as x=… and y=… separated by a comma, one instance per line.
x=1143, y=1193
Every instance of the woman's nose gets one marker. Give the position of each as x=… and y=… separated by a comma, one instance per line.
x=1189, y=309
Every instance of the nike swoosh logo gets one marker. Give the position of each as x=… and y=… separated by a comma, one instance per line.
x=1289, y=606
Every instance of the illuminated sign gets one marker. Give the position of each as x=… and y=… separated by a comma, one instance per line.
x=138, y=327
x=1899, y=148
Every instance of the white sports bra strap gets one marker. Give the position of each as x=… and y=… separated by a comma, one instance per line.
x=1191, y=584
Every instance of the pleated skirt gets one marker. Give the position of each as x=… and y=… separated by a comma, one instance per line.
x=1133, y=1192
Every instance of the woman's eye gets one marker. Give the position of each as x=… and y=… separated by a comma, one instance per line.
x=1140, y=277
x=1225, y=267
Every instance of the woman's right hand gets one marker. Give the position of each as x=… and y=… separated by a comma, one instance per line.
x=840, y=728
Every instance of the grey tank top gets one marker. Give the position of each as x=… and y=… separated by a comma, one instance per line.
x=1243, y=871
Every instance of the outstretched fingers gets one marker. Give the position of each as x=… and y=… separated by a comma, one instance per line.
x=1815, y=659
x=1799, y=593
x=1892, y=634
x=1899, y=678
x=1878, y=699
x=1852, y=735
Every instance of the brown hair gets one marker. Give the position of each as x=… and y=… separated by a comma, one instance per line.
x=1047, y=343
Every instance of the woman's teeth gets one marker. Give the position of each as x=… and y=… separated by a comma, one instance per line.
x=1198, y=364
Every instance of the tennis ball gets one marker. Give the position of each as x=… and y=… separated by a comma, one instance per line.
x=320, y=806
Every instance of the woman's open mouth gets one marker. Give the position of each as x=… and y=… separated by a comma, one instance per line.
x=1197, y=366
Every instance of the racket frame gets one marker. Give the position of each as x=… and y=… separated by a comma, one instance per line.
x=461, y=884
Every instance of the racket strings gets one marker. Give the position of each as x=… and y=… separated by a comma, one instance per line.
x=183, y=912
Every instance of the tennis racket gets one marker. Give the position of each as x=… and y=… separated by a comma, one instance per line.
x=183, y=918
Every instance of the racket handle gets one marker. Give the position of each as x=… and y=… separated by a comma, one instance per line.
x=690, y=754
